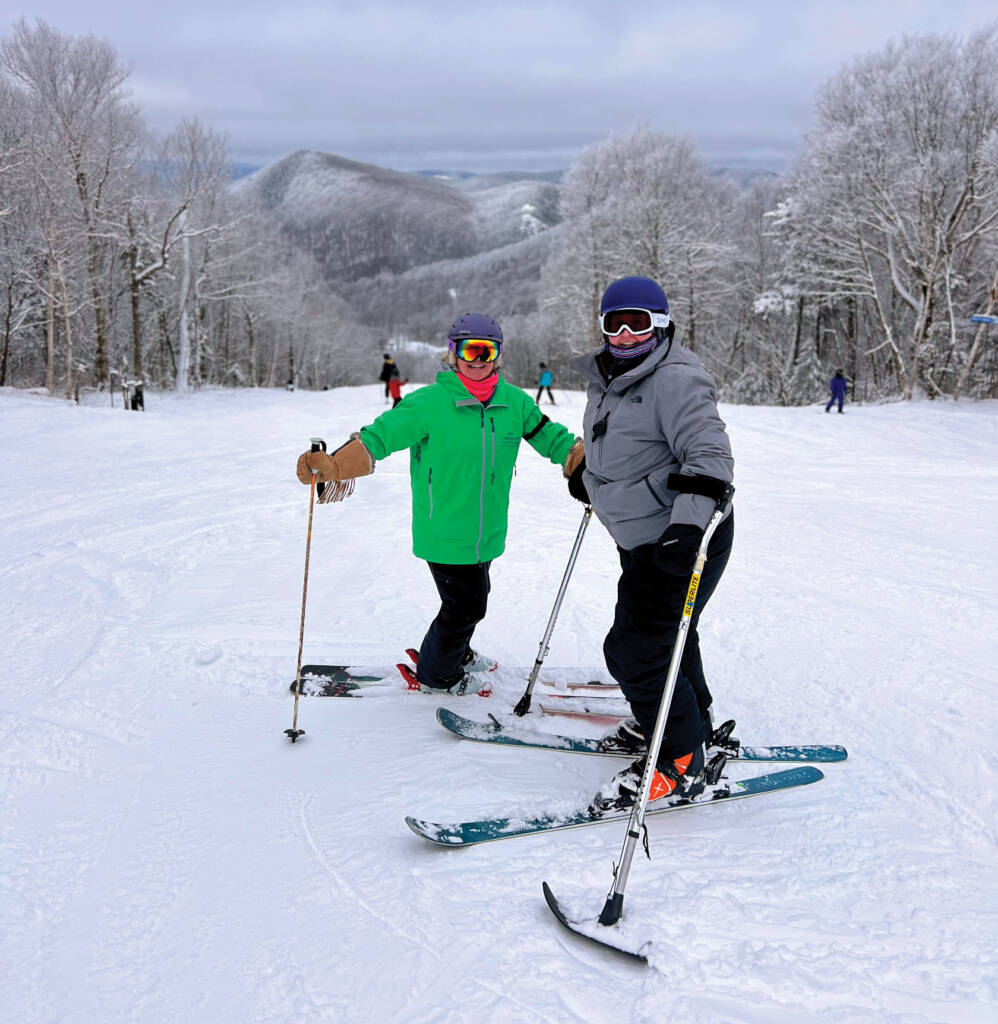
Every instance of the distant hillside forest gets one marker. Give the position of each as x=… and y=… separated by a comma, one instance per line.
x=126, y=259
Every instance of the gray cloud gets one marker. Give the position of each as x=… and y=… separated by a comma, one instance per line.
x=524, y=85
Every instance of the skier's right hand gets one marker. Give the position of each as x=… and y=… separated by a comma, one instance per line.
x=346, y=463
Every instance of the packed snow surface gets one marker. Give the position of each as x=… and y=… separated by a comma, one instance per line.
x=166, y=855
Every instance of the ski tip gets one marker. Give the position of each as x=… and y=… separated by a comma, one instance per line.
x=418, y=826
x=440, y=835
x=803, y=775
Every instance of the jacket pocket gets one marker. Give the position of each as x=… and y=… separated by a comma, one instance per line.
x=429, y=491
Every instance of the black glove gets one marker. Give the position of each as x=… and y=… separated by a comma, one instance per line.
x=576, y=487
x=678, y=549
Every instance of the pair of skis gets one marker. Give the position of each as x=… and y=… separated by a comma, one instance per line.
x=483, y=830
x=344, y=681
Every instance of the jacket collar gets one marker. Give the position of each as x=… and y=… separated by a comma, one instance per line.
x=451, y=383
x=586, y=365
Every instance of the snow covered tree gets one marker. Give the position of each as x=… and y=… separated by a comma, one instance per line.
x=896, y=195
x=640, y=203
x=84, y=134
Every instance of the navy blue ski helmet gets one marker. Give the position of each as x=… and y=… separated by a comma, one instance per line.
x=475, y=325
x=634, y=293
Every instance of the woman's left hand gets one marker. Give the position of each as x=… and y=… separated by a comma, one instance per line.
x=678, y=548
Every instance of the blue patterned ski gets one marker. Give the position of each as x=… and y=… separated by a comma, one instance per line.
x=486, y=830
x=513, y=736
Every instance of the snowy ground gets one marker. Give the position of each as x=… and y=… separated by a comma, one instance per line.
x=167, y=856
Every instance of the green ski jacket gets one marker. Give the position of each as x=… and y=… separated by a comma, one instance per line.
x=461, y=459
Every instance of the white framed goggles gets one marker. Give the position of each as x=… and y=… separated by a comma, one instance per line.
x=635, y=320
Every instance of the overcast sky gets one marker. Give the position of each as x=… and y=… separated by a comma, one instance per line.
x=497, y=86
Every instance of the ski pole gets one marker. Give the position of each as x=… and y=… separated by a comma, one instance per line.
x=318, y=445
x=523, y=705
x=614, y=905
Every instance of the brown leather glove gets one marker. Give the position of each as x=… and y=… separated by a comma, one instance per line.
x=346, y=463
x=575, y=455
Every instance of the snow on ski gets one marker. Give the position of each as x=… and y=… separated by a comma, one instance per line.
x=519, y=736
x=337, y=681
x=485, y=830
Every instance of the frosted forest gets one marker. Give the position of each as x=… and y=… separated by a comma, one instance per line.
x=128, y=258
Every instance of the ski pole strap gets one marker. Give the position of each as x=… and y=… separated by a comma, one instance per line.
x=697, y=483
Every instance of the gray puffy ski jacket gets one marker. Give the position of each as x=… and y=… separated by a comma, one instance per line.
x=658, y=418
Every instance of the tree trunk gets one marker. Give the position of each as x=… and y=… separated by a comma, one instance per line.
x=50, y=332
x=184, y=357
x=852, y=341
x=251, y=337
x=922, y=326
x=897, y=360
x=133, y=289
x=100, y=317
x=7, y=328
x=165, y=348
x=978, y=346
x=69, y=337
x=798, y=332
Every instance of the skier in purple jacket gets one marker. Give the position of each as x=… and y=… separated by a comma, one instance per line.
x=838, y=386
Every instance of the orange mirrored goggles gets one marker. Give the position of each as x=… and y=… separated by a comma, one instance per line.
x=473, y=349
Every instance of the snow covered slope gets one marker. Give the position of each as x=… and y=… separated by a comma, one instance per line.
x=167, y=856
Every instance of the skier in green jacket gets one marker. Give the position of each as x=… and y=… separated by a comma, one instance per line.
x=463, y=434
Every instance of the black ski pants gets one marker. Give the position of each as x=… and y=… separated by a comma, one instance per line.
x=464, y=596
x=639, y=646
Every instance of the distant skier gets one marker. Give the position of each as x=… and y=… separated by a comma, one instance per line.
x=388, y=367
x=463, y=434
x=838, y=386
x=545, y=380
x=395, y=386
x=651, y=411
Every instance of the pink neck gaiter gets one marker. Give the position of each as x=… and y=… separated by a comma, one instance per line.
x=481, y=389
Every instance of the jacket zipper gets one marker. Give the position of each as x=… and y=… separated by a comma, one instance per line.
x=429, y=488
x=481, y=494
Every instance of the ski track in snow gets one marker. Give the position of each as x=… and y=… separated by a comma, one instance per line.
x=166, y=855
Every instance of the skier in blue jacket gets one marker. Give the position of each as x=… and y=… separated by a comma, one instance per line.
x=652, y=412
x=838, y=386
x=545, y=380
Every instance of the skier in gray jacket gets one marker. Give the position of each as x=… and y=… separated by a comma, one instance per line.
x=651, y=412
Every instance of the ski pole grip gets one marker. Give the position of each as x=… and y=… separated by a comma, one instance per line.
x=318, y=445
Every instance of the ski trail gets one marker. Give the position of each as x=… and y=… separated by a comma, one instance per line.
x=342, y=883
x=449, y=967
